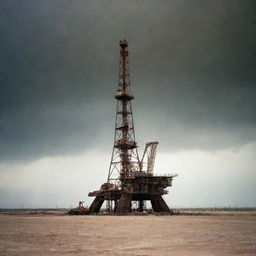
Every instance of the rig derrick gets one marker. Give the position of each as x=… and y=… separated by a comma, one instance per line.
x=129, y=179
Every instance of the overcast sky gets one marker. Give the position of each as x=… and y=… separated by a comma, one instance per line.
x=192, y=68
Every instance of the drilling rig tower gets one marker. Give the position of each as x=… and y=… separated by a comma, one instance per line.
x=130, y=179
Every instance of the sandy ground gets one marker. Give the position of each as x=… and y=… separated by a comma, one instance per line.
x=127, y=235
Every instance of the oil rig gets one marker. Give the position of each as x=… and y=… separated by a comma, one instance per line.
x=130, y=180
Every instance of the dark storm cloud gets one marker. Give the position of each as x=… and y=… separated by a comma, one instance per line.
x=192, y=71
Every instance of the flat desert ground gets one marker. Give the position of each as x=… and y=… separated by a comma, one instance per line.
x=127, y=235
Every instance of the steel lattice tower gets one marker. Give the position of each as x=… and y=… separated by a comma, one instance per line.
x=129, y=179
x=125, y=158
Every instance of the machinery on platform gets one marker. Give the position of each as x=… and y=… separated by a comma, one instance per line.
x=130, y=179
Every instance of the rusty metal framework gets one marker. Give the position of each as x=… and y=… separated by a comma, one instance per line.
x=125, y=158
x=130, y=181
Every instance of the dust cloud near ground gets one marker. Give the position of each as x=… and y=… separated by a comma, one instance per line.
x=48, y=235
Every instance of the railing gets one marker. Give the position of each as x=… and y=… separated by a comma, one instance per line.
x=167, y=175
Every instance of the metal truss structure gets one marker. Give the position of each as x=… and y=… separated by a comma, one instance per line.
x=129, y=179
x=125, y=158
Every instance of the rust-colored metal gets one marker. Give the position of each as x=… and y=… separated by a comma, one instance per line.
x=130, y=179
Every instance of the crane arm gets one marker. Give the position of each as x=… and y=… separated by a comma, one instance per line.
x=148, y=159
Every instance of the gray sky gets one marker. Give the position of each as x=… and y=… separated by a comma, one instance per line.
x=193, y=74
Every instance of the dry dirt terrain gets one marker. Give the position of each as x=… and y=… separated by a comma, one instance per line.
x=127, y=235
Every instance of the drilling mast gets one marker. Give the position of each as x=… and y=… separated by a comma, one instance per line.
x=125, y=158
x=127, y=180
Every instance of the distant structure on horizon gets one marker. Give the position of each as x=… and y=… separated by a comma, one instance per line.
x=130, y=181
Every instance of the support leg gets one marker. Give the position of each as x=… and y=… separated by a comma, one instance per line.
x=115, y=205
x=141, y=204
x=96, y=204
x=154, y=204
x=124, y=204
x=159, y=205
